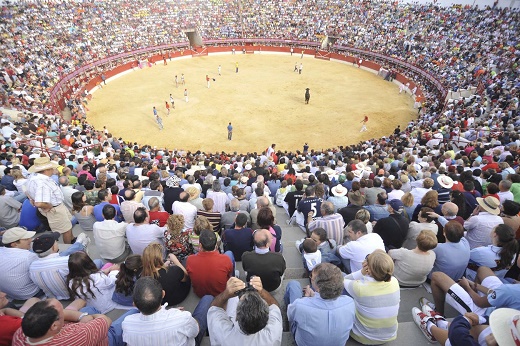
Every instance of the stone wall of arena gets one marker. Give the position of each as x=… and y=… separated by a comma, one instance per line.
x=88, y=76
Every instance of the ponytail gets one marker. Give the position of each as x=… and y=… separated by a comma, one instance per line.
x=508, y=244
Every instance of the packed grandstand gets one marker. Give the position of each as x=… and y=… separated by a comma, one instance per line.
x=441, y=195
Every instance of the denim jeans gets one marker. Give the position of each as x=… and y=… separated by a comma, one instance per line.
x=232, y=258
x=201, y=315
x=72, y=249
x=115, y=332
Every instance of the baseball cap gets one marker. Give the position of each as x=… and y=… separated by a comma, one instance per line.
x=396, y=205
x=15, y=234
x=45, y=242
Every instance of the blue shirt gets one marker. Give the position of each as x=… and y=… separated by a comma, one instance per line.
x=318, y=321
x=451, y=259
x=98, y=212
x=377, y=212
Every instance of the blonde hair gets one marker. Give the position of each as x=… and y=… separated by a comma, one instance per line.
x=426, y=240
x=363, y=215
x=152, y=260
x=208, y=204
x=407, y=199
x=201, y=223
x=430, y=199
x=381, y=265
x=175, y=224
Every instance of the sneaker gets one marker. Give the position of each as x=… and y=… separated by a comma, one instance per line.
x=424, y=301
x=83, y=239
x=432, y=313
x=421, y=320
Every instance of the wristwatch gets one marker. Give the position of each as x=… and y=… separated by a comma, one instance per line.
x=82, y=315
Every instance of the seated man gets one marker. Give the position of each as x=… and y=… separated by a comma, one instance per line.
x=361, y=244
x=452, y=257
x=141, y=233
x=332, y=222
x=14, y=266
x=110, y=237
x=9, y=210
x=209, y=270
x=464, y=296
x=324, y=316
x=105, y=196
x=239, y=239
x=270, y=266
x=157, y=216
x=50, y=270
x=255, y=319
x=155, y=325
x=44, y=321
x=11, y=317
x=228, y=218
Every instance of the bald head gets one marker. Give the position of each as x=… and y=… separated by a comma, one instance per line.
x=327, y=208
x=262, y=238
x=450, y=209
x=64, y=181
x=262, y=202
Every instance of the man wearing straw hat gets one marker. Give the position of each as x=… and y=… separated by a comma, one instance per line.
x=46, y=195
x=482, y=221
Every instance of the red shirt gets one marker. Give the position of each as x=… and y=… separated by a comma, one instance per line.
x=161, y=216
x=9, y=326
x=93, y=333
x=209, y=272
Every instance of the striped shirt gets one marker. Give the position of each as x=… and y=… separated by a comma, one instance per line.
x=333, y=224
x=14, y=266
x=377, y=306
x=49, y=274
x=92, y=333
x=41, y=188
x=165, y=327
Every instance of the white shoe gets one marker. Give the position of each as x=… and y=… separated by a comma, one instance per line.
x=83, y=239
x=421, y=320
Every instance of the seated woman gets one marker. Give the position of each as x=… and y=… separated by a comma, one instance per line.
x=265, y=220
x=171, y=274
x=82, y=211
x=364, y=216
x=201, y=223
x=129, y=272
x=430, y=200
x=413, y=266
x=96, y=287
x=213, y=216
x=426, y=222
x=498, y=257
x=376, y=295
x=177, y=242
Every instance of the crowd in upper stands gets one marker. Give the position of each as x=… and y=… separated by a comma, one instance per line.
x=436, y=201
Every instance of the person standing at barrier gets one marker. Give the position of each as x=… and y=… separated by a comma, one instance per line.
x=229, y=131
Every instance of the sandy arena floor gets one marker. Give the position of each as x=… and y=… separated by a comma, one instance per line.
x=264, y=101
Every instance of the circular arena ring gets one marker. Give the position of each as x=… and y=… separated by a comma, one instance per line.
x=264, y=101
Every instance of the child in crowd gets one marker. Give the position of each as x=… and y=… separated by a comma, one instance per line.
x=129, y=272
x=311, y=255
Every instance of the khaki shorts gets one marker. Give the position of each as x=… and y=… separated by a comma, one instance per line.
x=59, y=218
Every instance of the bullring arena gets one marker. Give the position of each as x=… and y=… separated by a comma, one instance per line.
x=413, y=109
x=264, y=102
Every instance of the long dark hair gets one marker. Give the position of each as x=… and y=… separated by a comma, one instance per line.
x=458, y=198
x=129, y=271
x=322, y=234
x=77, y=201
x=81, y=267
x=508, y=243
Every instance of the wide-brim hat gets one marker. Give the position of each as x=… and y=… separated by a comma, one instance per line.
x=42, y=164
x=445, y=181
x=173, y=181
x=356, y=198
x=505, y=325
x=339, y=190
x=358, y=173
x=490, y=204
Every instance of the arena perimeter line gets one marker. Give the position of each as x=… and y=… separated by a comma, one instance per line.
x=264, y=101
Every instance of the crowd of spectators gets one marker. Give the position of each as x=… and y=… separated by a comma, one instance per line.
x=436, y=201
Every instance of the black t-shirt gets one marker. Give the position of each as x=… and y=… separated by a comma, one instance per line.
x=175, y=290
x=171, y=194
x=270, y=267
x=349, y=212
x=393, y=230
x=292, y=199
